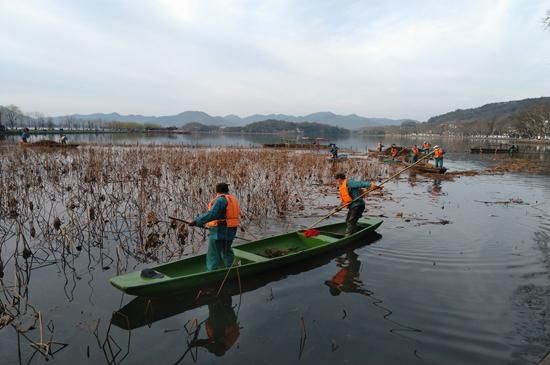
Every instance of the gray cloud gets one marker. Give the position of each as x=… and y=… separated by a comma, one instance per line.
x=392, y=59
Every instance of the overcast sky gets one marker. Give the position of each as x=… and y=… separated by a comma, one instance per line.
x=395, y=59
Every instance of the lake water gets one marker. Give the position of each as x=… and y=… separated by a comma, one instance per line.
x=354, y=142
x=458, y=274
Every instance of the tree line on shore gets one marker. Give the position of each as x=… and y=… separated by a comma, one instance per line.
x=11, y=117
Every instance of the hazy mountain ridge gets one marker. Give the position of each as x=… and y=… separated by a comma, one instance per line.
x=351, y=121
x=527, y=118
x=491, y=111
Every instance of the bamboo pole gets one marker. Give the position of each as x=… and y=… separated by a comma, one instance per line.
x=369, y=190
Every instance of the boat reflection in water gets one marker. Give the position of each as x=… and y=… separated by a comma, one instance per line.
x=222, y=328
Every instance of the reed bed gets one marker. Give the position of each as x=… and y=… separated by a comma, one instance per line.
x=108, y=207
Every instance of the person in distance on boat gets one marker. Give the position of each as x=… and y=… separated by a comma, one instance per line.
x=379, y=147
x=222, y=220
x=25, y=136
x=394, y=151
x=426, y=147
x=63, y=139
x=415, y=153
x=438, y=156
x=334, y=151
x=350, y=191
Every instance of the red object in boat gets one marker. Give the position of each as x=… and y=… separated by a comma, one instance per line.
x=311, y=232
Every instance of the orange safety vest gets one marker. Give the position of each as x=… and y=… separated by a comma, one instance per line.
x=232, y=212
x=438, y=153
x=345, y=196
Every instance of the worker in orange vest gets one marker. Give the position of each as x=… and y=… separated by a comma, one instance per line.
x=426, y=147
x=415, y=153
x=222, y=220
x=350, y=192
x=438, y=156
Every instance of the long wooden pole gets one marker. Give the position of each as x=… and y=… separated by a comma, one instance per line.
x=179, y=220
x=187, y=222
x=369, y=190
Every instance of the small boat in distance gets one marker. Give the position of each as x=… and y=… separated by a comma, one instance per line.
x=428, y=168
x=343, y=156
x=500, y=149
x=250, y=258
x=47, y=144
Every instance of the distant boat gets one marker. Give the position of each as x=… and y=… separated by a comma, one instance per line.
x=511, y=149
x=343, y=156
x=47, y=144
x=296, y=145
x=427, y=168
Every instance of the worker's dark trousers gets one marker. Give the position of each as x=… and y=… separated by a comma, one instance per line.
x=353, y=216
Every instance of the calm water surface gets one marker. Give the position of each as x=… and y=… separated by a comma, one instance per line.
x=473, y=291
x=354, y=142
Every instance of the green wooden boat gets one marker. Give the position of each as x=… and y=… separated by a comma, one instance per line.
x=143, y=311
x=250, y=258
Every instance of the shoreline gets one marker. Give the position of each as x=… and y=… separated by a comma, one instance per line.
x=458, y=138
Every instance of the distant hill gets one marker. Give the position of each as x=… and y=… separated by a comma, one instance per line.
x=167, y=120
x=351, y=121
x=518, y=118
x=491, y=112
x=308, y=129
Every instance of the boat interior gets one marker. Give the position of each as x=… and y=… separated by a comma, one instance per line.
x=264, y=250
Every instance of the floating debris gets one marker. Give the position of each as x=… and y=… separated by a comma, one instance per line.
x=152, y=219
x=57, y=223
x=505, y=202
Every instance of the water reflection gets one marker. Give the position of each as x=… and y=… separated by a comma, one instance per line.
x=221, y=327
x=435, y=188
x=412, y=178
x=347, y=279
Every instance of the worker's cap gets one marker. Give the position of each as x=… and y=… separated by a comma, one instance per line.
x=222, y=188
x=436, y=147
x=340, y=175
